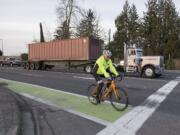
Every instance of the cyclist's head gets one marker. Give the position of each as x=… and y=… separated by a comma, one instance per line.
x=107, y=54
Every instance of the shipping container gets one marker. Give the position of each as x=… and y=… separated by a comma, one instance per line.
x=67, y=53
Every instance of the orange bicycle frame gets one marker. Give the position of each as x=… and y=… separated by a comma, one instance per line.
x=112, y=88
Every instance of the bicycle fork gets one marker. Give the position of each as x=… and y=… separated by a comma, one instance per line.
x=113, y=86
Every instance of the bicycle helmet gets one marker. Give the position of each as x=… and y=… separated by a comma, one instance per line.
x=107, y=53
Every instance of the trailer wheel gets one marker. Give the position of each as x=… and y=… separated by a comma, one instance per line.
x=88, y=68
x=24, y=65
x=44, y=66
x=32, y=66
x=28, y=66
x=149, y=72
x=37, y=66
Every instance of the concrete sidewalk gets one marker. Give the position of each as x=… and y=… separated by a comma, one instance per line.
x=9, y=113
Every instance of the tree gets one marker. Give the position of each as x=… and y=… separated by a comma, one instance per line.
x=88, y=26
x=41, y=33
x=127, y=25
x=169, y=18
x=24, y=56
x=67, y=10
x=134, y=25
x=160, y=28
x=150, y=27
x=121, y=35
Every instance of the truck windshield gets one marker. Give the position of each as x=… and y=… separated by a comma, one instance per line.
x=139, y=53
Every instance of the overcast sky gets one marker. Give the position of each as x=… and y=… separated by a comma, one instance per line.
x=19, y=19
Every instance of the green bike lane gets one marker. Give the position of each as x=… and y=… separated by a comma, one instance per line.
x=67, y=101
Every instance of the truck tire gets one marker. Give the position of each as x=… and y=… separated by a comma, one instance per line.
x=32, y=66
x=24, y=65
x=37, y=66
x=28, y=66
x=44, y=66
x=88, y=69
x=148, y=72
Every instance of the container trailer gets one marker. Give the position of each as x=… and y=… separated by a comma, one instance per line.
x=67, y=53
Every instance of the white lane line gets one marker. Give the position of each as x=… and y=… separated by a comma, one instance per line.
x=132, y=78
x=94, y=119
x=131, y=122
x=86, y=78
x=34, y=75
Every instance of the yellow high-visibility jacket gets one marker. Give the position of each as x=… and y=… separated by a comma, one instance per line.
x=103, y=65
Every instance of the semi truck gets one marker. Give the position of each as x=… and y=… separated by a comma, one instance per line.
x=66, y=54
x=145, y=66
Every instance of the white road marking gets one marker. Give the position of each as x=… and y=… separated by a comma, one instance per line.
x=86, y=78
x=133, y=78
x=131, y=122
x=94, y=119
x=34, y=75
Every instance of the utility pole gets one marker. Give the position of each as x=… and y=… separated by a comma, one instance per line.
x=109, y=36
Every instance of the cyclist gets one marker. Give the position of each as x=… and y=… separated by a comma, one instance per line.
x=102, y=69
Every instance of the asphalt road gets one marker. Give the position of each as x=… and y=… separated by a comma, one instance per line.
x=165, y=120
x=138, y=89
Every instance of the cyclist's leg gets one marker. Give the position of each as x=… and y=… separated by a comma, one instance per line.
x=99, y=82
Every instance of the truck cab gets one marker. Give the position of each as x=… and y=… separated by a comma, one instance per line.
x=147, y=66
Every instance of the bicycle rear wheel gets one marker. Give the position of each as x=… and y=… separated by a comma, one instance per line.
x=92, y=94
x=120, y=103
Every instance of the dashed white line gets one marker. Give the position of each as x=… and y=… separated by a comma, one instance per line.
x=86, y=78
x=34, y=75
x=133, y=78
x=131, y=122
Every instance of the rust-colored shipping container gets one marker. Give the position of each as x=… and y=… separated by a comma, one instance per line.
x=68, y=53
x=68, y=49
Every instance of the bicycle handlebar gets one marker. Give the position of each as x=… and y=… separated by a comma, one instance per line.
x=121, y=75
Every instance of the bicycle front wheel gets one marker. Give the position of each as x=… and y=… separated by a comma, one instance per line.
x=120, y=100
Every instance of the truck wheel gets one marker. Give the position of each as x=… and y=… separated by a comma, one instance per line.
x=88, y=69
x=44, y=66
x=24, y=65
x=37, y=66
x=32, y=66
x=149, y=72
x=28, y=66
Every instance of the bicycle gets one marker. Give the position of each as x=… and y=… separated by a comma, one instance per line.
x=116, y=95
